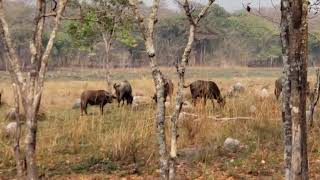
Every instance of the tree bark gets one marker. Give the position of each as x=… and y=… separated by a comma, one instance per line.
x=147, y=31
x=107, y=39
x=299, y=56
x=294, y=38
x=30, y=86
x=16, y=146
x=181, y=68
x=286, y=89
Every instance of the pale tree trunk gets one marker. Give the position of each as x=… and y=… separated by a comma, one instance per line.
x=16, y=144
x=294, y=37
x=181, y=68
x=147, y=31
x=107, y=39
x=286, y=89
x=30, y=86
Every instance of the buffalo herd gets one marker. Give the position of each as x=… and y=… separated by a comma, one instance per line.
x=123, y=92
x=198, y=89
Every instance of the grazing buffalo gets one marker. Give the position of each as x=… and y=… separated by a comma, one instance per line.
x=168, y=90
x=278, y=87
x=123, y=92
x=95, y=97
x=206, y=90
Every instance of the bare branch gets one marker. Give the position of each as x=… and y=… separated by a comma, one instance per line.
x=45, y=57
x=9, y=46
x=55, y=5
x=147, y=33
x=181, y=73
x=204, y=11
x=188, y=12
x=139, y=18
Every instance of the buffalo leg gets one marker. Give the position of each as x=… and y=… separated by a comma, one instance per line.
x=194, y=101
x=212, y=101
x=85, y=108
x=101, y=108
x=81, y=108
x=119, y=100
x=204, y=101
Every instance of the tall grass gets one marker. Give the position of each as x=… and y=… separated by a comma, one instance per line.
x=69, y=143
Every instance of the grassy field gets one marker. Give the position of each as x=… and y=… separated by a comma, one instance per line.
x=122, y=143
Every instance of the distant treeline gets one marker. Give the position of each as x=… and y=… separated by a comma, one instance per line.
x=223, y=39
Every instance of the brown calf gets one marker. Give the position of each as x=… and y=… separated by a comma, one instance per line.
x=95, y=97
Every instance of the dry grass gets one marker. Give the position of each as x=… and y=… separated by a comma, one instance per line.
x=123, y=141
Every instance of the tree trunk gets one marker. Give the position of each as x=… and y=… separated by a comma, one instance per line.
x=286, y=89
x=294, y=40
x=30, y=141
x=147, y=31
x=30, y=86
x=16, y=145
x=181, y=68
x=107, y=39
x=179, y=101
x=299, y=56
x=160, y=123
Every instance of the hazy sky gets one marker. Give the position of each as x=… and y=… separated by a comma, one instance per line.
x=229, y=5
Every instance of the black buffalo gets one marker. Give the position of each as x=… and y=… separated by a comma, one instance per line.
x=123, y=92
x=205, y=90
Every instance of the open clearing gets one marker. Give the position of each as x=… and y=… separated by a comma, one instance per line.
x=122, y=143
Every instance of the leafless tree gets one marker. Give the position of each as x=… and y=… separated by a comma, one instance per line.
x=294, y=38
x=110, y=14
x=30, y=85
x=181, y=68
x=147, y=31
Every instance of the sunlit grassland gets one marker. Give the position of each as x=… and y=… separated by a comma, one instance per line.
x=123, y=140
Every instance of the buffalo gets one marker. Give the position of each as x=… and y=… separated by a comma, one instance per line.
x=206, y=90
x=123, y=92
x=168, y=90
x=95, y=97
x=278, y=87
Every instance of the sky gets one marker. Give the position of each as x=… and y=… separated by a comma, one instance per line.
x=229, y=5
